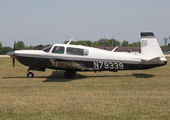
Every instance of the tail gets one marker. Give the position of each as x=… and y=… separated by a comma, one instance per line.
x=150, y=49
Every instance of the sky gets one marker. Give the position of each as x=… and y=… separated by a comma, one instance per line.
x=53, y=21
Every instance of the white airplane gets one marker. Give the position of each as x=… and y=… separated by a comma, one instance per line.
x=72, y=58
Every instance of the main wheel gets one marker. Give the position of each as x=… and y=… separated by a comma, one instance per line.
x=69, y=74
x=30, y=75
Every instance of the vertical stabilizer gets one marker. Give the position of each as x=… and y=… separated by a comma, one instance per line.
x=150, y=48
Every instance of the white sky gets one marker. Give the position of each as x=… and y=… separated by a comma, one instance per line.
x=53, y=21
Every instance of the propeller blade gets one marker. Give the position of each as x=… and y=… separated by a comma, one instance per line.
x=14, y=45
x=13, y=62
x=13, y=54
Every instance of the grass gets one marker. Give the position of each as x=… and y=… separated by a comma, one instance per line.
x=125, y=95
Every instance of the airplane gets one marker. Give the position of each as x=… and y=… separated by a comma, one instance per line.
x=73, y=58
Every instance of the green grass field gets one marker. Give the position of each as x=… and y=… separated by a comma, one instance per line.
x=124, y=95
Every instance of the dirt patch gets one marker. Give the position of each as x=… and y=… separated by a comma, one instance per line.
x=4, y=56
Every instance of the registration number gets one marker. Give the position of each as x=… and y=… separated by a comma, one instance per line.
x=108, y=65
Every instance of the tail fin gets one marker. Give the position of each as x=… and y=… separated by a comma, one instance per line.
x=150, y=48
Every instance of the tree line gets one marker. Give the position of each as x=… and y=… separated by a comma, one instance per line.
x=4, y=50
x=19, y=46
x=166, y=49
x=102, y=42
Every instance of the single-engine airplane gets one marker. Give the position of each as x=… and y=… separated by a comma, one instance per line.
x=72, y=58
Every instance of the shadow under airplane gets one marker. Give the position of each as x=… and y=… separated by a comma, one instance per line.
x=142, y=75
x=57, y=76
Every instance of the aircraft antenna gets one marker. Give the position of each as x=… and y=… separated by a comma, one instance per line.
x=114, y=48
x=69, y=41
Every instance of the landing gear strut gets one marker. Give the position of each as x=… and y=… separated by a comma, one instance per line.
x=30, y=74
x=69, y=74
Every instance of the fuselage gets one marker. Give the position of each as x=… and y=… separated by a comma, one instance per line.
x=81, y=58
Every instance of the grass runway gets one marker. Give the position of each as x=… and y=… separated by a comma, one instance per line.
x=124, y=95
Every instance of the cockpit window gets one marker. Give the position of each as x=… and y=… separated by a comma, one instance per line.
x=58, y=49
x=47, y=49
x=77, y=51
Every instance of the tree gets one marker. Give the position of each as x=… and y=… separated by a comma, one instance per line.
x=115, y=42
x=136, y=44
x=6, y=50
x=101, y=42
x=20, y=45
x=1, y=48
x=36, y=48
x=30, y=47
x=90, y=43
x=168, y=47
x=0, y=45
x=45, y=46
x=81, y=42
x=125, y=43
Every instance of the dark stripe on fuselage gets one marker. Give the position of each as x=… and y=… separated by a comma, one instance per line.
x=85, y=65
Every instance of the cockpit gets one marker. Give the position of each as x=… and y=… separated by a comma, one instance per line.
x=68, y=50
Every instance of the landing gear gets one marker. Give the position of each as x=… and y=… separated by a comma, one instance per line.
x=69, y=74
x=30, y=75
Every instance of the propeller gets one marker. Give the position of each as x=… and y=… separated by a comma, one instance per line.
x=14, y=45
x=13, y=55
x=13, y=62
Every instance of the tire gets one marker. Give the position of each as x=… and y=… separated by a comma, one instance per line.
x=69, y=74
x=30, y=75
x=65, y=75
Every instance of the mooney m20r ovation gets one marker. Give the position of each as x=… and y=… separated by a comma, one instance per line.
x=72, y=58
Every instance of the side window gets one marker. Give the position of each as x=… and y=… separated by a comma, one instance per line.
x=58, y=49
x=86, y=52
x=77, y=51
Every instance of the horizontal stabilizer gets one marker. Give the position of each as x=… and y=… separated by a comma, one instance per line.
x=154, y=59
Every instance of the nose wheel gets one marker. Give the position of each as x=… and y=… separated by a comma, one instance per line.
x=30, y=75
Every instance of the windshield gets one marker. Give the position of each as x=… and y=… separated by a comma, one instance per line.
x=47, y=49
